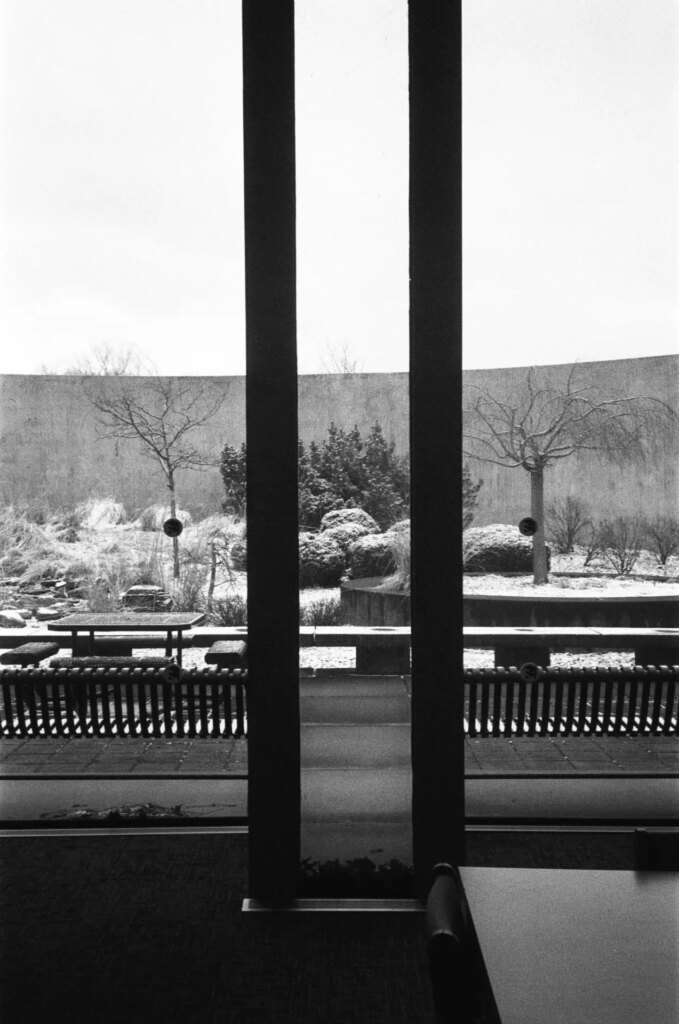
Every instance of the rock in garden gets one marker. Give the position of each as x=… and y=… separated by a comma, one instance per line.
x=145, y=597
x=42, y=614
x=11, y=619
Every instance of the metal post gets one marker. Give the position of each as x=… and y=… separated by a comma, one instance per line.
x=271, y=424
x=435, y=433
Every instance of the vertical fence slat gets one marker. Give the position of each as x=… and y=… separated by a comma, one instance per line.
x=166, y=695
x=644, y=723
x=582, y=725
x=190, y=690
x=521, y=686
x=8, y=704
x=57, y=704
x=485, y=694
x=545, y=682
x=534, y=702
x=558, y=701
x=240, y=704
x=30, y=704
x=496, y=709
x=128, y=678
x=179, y=708
x=596, y=702
x=203, y=709
x=20, y=709
x=230, y=727
x=608, y=700
x=620, y=695
x=156, y=720
x=668, y=727
x=142, y=699
x=632, y=727
x=572, y=691
x=42, y=702
x=217, y=690
x=93, y=688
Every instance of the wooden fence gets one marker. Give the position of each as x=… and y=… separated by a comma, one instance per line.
x=566, y=702
x=205, y=703
x=200, y=703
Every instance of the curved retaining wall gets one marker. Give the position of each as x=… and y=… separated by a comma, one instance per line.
x=363, y=605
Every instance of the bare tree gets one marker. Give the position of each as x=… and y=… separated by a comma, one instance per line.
x=161, y=414
x=546, y=422
x=105, y=360
x=108, y=361
x=339, y=359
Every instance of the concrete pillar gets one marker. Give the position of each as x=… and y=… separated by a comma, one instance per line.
x=435, y=433
x=271, y=429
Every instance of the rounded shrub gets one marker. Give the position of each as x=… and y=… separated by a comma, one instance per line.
x=497, y=548
x=372, y=555
x=342, y=516
x=322, y=561
x=346, y=533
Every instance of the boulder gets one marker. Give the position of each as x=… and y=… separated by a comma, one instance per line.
x=42, y=614
x=11, y=619
x=146, y=597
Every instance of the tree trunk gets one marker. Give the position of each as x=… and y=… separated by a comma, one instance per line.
x=173, y=513
x=213, y=575
x=537, y=511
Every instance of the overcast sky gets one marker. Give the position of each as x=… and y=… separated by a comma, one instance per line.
x=121, y=192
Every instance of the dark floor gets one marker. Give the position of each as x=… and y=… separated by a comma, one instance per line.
x=145, y=929
x=149, y=928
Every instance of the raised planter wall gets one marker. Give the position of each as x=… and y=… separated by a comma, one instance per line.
x=362, y=604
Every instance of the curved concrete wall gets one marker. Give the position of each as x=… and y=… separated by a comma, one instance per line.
x=50, y=449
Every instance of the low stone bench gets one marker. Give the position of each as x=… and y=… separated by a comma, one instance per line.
x=114, y=662
x=227, y=654
x=29, y=654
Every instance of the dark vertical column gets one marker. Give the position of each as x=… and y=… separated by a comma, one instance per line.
x=271, y=424
x=435, y=432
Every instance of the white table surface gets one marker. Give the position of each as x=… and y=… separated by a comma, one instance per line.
x=578, y=947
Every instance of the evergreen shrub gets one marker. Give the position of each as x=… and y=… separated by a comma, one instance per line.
x=322, y=562
x=346, y=516
x=372, y=555
x=497, y=548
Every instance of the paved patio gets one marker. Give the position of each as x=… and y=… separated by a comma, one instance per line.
x=571, y=755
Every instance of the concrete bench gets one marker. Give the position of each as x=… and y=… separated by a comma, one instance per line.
x=515, y=645
x=113, y=662
x=227, y=654
x=385, y=650
x=29, y=654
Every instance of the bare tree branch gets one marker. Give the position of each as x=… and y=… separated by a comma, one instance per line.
x=549, y=422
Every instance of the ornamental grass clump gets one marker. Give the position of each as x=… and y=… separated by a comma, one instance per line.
x=229, y=610
x=321, y=611
x=400, y=548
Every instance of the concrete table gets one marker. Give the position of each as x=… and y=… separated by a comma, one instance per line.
x=578, y=947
